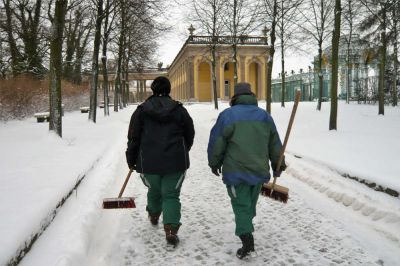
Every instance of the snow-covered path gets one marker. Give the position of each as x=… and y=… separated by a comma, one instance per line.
x=291, y=234
x=314, y=228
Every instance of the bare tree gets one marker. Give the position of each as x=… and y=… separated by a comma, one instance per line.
x=317, y=23
x=137, y=34
x=349, y=22
x=242, y=18
x=109, y=16
x=395, y=40
x=121, y=46
x=25, y=36
x=270, y=8
x=286, y=27
x=81, y=51
x=335, y=66
x=95, y=60
x=208, y=16
x=8, y=25
x=376, y=24
x=77, y=30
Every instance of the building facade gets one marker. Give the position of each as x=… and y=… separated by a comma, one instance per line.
x=191, y=71
x=357, y=77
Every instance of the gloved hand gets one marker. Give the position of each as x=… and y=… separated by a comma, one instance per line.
x=216, y=170
x=276, y=173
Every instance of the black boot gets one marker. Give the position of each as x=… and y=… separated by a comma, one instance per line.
x=153, y=217
x=248, y=246
x=171, y=234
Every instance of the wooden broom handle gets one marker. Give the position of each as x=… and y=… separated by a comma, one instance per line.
x=126, y=182
x=289, y=128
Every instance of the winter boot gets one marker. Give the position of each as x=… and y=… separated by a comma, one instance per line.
x=248, y=246
x=153, y=217
x=171, y=236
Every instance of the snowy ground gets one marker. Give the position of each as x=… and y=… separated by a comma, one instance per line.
x=329, y=219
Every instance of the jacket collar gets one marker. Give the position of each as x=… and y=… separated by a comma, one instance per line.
x=246, y=99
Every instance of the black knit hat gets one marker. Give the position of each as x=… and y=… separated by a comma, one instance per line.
x=161, y=86
x=242, y=88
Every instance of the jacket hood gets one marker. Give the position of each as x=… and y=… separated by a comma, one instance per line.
x=160, y=107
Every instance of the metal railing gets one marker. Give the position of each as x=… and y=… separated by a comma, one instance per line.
x=240, y=40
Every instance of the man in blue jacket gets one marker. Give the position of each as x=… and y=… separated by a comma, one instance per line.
x=243, y=142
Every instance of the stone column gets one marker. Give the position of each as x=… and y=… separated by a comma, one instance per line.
x=141, y=90
x=218, y=76
x=243, y=68
x=145, y=89
x=185, y=76
x=178, y=81
x=190, y=76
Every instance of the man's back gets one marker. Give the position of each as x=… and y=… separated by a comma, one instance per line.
x=161, y=135
x=243, y=140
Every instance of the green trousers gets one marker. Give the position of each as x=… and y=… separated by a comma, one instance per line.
x=163, y=195
x=244, y=200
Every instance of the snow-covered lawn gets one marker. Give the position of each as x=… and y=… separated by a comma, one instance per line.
x=328, y=219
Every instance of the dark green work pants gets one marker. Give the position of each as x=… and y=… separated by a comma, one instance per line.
x=244, y=200
x=163, y=195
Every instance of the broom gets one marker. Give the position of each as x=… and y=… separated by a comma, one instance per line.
x=273, y=190
x=119, y=203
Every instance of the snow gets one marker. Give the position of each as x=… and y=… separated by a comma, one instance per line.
x=329, y=219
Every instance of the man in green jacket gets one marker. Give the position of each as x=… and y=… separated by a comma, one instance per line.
x=243, y=142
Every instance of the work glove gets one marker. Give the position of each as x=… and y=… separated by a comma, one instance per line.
x=216, y=170
x=276, y=173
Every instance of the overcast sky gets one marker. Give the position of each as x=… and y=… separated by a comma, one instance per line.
x=171, y=42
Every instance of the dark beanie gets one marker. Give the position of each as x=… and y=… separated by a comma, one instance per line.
x=161, y=86
x=242, y=88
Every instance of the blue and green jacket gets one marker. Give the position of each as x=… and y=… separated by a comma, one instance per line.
x=243, y=141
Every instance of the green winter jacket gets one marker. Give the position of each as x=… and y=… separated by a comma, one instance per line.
x=243, y=141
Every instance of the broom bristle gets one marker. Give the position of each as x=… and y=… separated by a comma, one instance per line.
x=119, y=203
x=277, y=194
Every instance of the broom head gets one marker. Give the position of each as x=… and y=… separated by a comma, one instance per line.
x=119, y=203
x=279, y=193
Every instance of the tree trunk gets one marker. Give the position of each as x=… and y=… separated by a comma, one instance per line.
x=395, y=53
x=348, y=69
x=382, y=65
x=80, y=51
x=213, y=63
x=335, y=66
x=126, y=98
x=214, y=78
x=55, y=74
x=270, y=60
x=350, y=8
x=95, y=62
x=104, y=60
x=105, y=79
x=283, y=72
x=320, y=76
x=234, y=46
x=121, y=48
x=72, y=40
